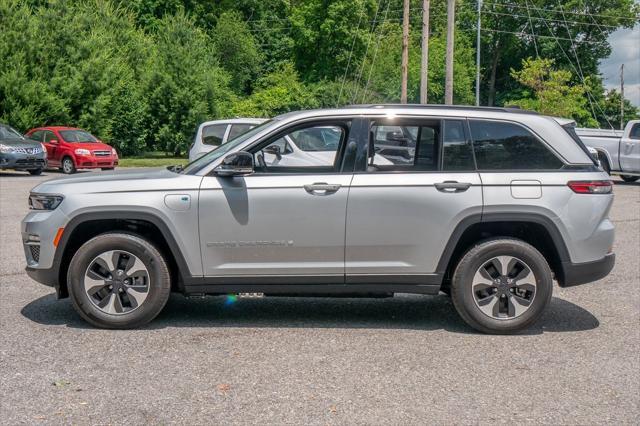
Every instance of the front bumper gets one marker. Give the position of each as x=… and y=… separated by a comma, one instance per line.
x=93, y=162
x=22, y=161
x=583, y=273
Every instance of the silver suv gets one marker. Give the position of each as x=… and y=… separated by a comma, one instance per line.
x=488, y=205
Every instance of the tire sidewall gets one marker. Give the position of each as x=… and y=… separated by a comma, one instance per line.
x=72, y=169
x=159, y=282
x=474, y=259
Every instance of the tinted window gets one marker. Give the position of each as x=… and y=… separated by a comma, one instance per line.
x=238, y=129
x=212, y=135
x=635, y=132
x=457, y=153
x=313, y=149
x=508, y=146
x=401, y=147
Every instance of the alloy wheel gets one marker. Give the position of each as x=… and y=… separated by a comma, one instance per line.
x=504, y=287
x=116, y=282
x=67, y=165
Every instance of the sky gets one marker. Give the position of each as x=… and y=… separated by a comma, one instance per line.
x=625, y=46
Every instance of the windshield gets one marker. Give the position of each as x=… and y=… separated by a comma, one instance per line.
x=198, y=164
x=77, y=136
x=7, y=132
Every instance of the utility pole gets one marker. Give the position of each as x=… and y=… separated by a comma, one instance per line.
x=622, y=97
x=448, y=84
x=424, y=65
x=405, y=52
x=478, y=55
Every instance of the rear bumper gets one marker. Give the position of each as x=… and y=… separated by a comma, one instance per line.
x=583, y=273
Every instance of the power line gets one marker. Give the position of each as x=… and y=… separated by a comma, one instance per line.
x=366, y=50
x=548, y=19
x=624, y=18
x=375, y=54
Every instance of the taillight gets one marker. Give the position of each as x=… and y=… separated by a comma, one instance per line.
x=591, y=186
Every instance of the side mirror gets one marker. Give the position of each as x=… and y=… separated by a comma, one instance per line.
x=274, y=150
x=235, y=164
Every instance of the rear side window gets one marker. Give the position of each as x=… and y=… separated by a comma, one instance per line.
x=49, y=136
x=508, y=146
x=457, y=153
x=36, y=136
x=404, y=147
x=213, y=135
x=635, y=131
x=238, y=129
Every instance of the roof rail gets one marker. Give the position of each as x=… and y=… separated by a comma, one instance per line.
x=509, y=109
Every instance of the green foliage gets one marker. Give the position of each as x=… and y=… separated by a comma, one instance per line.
x=551, y=91
x=142, y=74
x=611, y=110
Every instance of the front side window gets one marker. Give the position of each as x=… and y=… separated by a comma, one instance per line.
x=404, y=146
x=312, y=149
x=213, y=135
x=507, y=146
x=635, y=131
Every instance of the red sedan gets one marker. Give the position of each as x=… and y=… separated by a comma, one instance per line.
x=69, y=149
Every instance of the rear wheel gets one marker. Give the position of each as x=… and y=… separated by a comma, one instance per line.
x=35, y=172
x=67, y=166
x=501, y=286
x=628, y=178
x=118, y=281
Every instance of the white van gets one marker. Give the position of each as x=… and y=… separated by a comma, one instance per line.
x=212, y=134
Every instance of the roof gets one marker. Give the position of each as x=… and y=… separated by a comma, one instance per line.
x=514, y=110
x=56, y=128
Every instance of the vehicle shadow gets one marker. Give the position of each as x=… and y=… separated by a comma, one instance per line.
x=408, y=312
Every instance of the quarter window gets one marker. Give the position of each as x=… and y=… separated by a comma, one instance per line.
x=508, y=146
x=213, y=135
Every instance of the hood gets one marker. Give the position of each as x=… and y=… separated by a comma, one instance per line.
x=110, y=182
x=20, y=143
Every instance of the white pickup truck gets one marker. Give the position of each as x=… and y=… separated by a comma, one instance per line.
x=618, y=150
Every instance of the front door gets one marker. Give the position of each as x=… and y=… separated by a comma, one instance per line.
x=419, y=183
x=283, y=221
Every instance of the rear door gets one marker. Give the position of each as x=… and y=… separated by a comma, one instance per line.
x=53, y=152
x=630, y=150
x=418, y=183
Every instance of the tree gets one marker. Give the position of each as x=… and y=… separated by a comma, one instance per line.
x=550, y=92
x=611, y=109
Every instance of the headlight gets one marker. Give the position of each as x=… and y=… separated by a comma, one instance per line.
x=81, y=151
x=6, y=148
x=113, y=152
x=44, y=148
x=44, y=202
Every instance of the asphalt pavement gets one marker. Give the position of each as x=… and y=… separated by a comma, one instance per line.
x=404, y=360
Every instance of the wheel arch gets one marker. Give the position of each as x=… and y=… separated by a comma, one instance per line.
x=535, y=229
x=144, y=224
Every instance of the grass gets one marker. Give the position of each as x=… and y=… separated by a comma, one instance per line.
x=152, y=159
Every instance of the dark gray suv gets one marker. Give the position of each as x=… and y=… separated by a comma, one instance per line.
x=18, y=153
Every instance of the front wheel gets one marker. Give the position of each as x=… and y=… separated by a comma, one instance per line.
x=68, y=167
x=629, y=179
x=118, y=281
x=501, y=286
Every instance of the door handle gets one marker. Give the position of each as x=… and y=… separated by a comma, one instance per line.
x=452, y=186
x=322, y=188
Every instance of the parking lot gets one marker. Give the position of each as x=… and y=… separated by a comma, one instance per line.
x=406, y=360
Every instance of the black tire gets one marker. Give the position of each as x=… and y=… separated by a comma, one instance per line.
x=68, y=166
x=107, y=168
x=464, y=297
x=35, y=172
x=604, y=163
x=629, y=179
x=159, y=281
